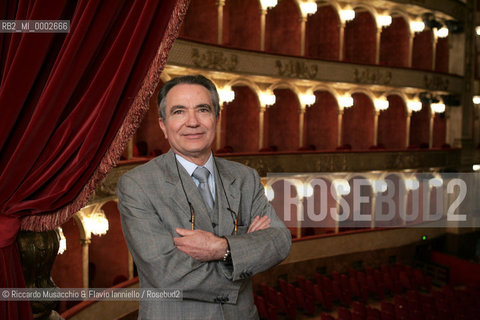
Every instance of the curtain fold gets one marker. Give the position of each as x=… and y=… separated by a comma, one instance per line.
x=69, y=104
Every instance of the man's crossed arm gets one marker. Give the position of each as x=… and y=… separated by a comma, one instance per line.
x=205, y=246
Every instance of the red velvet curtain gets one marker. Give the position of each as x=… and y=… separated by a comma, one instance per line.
x=69, y=103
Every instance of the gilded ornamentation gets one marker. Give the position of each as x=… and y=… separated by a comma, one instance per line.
x=435, y=82
x=38, y=251
x=370, y=76
x=107, y=188
x=296, y=69
x=216, y=60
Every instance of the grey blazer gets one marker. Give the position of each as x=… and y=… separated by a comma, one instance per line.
x=152, y=204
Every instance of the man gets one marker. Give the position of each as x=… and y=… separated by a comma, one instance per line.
x=236, y=232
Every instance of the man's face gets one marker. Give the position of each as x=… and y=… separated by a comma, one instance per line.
x=189, y=124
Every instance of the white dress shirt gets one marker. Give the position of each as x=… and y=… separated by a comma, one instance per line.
x=190, y=167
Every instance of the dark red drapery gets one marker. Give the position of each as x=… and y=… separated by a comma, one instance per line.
x=69, y=103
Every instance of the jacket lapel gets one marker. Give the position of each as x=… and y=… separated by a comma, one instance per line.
x=232, y=192
x=177, y=195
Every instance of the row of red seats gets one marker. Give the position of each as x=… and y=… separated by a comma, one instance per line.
x=444, y=304
x=340, y=288
x=371, y=283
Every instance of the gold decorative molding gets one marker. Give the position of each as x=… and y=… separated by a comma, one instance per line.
x=296, y=69
x=191, y=57
x=445, y=9
x=315, y=162
x=106, y=190
x=372, y=76
x=350, y=161
x=215, y=60
x=434, y=82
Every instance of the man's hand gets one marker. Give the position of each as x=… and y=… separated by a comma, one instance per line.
x=205, y=246
x=201, y=245
x=259, y=223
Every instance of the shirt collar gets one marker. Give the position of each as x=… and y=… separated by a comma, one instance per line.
x=190, y=166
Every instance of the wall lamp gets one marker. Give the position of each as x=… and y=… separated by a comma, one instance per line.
x=438, y=107
x=94, y=222
x=417, y=26
x=267, y=4
x=347, y=15
x=307, y=99
x=308, y=7
x=378, y=185
x=381, y=104
x=342, y=187
x=226, y=94
x=345, y=101
x=269, y=193
x=267, y=99
x=414, y=105
x=441, y=33
x=384, y=20
x=62, y=241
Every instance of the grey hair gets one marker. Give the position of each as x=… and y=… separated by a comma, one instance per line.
x=192, y=79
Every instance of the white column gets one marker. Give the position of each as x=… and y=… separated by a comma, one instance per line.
x=220, y=5
x=377, y=46
x=407, y=129
x=299, y=214
x=85, y=243
x=341, y=40
x=301, y=124
x=339, y=131
x=261, y=116
x=411, y=37
x=130, y=266
x=375, y=127
x=263, y=14
x=303, y=22
x=430, y=136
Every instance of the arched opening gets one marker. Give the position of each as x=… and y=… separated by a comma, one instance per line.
x=282, y=31
x=281, y=119
x=417, y=200
x=200, y=22
x=358, y=121
x=357, y=214
x=442, y=55
x=286, y=208
x=422, y=50
x=392, y=124
x=389, y=203
x=149, y=139
x=321, y=122
x=439, y=130
x=419, y=127
x=360, y=38
x=241, y=24
x=322, y=34
x=317, y=209
x=109, y=253
x=394, y=43
x=67, y=268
